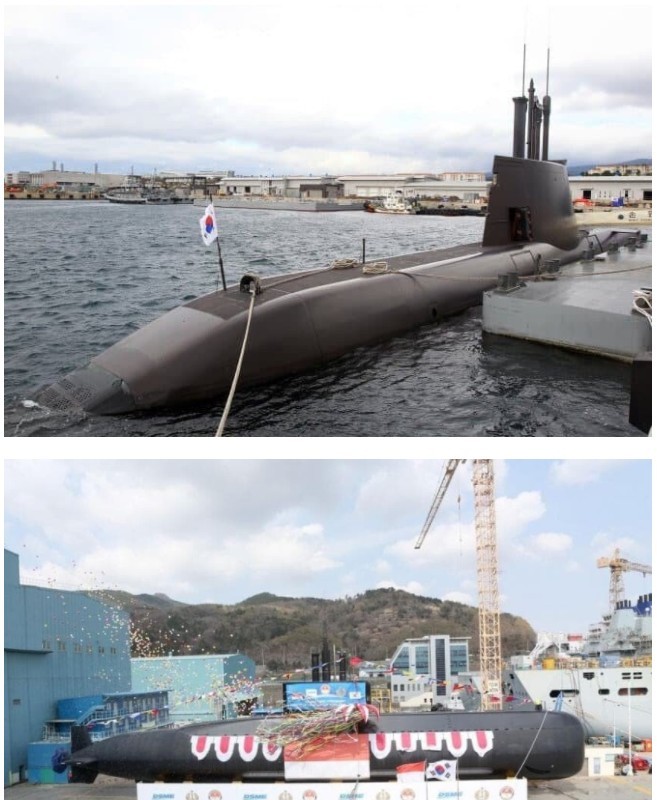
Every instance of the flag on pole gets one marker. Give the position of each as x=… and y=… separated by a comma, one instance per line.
x=441, y=770
x=208, y=224
x=407, y=773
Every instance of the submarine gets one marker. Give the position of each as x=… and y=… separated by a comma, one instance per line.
x=488, y=744
x=281, y=325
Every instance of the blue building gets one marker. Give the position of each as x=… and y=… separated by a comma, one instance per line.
x=103, y=716
x=200, y=688
x=58, y=644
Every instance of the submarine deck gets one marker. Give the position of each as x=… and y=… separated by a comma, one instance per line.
x=578, y=787
x=587, y=307
x=226, y=304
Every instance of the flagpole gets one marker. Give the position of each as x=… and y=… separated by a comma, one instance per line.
x=221, y=261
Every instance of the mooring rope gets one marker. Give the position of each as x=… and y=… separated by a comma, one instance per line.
x=376, y=268
x=531, y=746
x=231, y=394
x=642, y=303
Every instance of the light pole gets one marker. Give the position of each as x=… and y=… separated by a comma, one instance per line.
x=630, y=770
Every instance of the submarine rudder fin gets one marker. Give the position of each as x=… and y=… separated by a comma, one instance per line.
x=81, y=769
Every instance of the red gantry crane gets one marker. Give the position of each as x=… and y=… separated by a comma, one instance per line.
x=490, y=650
x=618, y=566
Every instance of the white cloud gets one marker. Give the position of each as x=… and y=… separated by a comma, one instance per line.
x=270, y=92
x=413, y=587
x=577, y=472
x=551, y=544
x=513, y=514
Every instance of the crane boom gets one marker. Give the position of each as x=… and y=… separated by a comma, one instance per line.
x=450, y=469
x=487, y=571
x=618, y=566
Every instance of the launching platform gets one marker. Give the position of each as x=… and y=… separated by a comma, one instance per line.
x=586, y=305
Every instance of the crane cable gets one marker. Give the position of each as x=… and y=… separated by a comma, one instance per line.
x=224, y=417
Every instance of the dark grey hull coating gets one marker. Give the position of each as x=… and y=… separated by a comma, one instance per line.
x=538, y=745
x=305, y=320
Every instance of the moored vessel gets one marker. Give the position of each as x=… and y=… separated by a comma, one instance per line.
x=604, y=678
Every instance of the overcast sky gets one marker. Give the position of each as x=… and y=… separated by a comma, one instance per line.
x=283, y=87
x=221, y=531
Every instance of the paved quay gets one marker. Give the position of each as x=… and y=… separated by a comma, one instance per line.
x=578, y=788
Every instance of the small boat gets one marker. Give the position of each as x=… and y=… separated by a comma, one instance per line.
x=393, y=203
x=164, y=197
x=132, y=197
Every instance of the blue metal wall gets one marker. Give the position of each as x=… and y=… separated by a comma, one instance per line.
x=57, y=644
x=200, y=687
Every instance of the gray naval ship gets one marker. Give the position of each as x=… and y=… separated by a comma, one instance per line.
x=299, y=321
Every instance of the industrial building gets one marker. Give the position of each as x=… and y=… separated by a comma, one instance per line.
x=423, y=671
x=58, y=644
x=200, y=688
x=469, y=187
x=631, y=189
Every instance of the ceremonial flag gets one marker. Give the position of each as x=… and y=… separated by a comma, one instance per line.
x=407, y=773
x=208, y=224
x=344, y=756
x=442, y=770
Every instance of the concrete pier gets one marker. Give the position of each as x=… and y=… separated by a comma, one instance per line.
x=585, y=306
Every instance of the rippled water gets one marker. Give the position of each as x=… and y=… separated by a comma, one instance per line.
x=79, y=276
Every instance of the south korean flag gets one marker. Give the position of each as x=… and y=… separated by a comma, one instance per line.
x=441, y=771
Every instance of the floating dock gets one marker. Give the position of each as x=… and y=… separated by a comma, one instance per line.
x=586, y=306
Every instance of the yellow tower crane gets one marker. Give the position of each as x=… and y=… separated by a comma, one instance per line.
x=618, y=566
x=490, y=649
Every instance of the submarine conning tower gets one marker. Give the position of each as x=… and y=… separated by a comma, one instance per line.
x=530, y=197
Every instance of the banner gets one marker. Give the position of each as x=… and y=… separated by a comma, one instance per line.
x=472, y=789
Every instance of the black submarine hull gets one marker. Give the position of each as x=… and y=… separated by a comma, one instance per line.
x=538, y=745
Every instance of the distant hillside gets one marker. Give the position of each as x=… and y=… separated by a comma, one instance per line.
x=581, y=168
x=282, y=632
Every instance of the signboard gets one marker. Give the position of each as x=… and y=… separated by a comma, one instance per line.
x=309, y=695
x=473, y=789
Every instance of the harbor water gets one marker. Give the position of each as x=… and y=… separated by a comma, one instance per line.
x=79, y=276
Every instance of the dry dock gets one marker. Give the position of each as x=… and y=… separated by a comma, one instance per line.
x=578, y=788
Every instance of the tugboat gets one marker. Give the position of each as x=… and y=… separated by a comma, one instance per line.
x=393, y=203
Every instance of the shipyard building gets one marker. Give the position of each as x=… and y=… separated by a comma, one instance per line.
x=67, y=661
x=200, y=688
x=58, y=645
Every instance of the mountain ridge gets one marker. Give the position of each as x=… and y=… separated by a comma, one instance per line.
x=280, y=633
